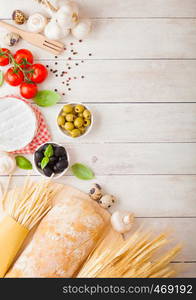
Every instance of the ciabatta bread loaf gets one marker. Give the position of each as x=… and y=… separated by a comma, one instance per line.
x=64, y=237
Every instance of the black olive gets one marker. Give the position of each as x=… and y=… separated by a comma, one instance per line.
x=38, y=164
x=53, y=159
x=59, y=151
x=62, y=165
x=48, y=171
x=56, y=170
x=64, y=157
x=38, y=156
x=43, y=148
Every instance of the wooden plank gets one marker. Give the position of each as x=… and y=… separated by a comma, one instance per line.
x=122, y=81
x=144, y=38
x=134, y=158
x=187, y=270
x=134, y=123
x=146, y=196
x=116, y=8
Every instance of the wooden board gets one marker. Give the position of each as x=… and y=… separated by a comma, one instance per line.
x=123, y=81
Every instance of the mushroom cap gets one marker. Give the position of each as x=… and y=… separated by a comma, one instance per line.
x=122, y=221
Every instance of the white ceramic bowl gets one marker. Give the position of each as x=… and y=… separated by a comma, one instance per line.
x=88, y=129
x=40, y=172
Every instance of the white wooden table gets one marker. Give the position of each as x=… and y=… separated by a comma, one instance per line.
x=140, y=84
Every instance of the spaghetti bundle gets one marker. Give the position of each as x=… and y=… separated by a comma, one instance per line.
x=24, y=208
x=114, y=257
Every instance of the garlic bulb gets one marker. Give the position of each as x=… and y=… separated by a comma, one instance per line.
x=67, y=16
x=53, y=30
x=36, y=22
x=7, y=163
x=122, y=221
x=82, y=29
x=107, y=201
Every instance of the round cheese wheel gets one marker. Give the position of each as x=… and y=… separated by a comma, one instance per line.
x=18, y=124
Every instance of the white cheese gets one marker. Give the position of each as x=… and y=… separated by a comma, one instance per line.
x=18, y=124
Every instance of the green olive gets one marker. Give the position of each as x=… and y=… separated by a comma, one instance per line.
x=75, y=133
x=79, y=108
x=63, y=114
x=69, y=126
x=60, y=120
x=87, y=122
x=82, y=130
x=87, y=114
x=80, y=115
x=69, y=118
x=67, y=108
x=79, y=122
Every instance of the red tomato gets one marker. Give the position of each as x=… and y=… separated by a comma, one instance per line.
x=38, y=73
x=4, y=57
x=28, y=90
x=24, y=58
x=14, y=76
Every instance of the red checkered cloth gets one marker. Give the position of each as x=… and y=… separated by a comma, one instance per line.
x=42, y=134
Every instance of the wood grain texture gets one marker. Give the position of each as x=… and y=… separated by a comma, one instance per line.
x=134, y=123
x=144, y=39
x=123, y=81
x=117, y=8
x=134, y=158
x=147, y=196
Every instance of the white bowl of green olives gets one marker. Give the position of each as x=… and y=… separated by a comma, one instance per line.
x=75, y=120
x=51, y=160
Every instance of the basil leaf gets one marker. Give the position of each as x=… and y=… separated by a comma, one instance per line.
x=49, y=151
x=44, y=162
x=82, y=172
x=1, y=78
x=23, y=163
x=46, y=98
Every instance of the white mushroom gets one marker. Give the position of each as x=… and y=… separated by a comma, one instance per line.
x=82, y=29
x=122, y=221
x=107, y=201
x=36, y=22
x=96, y=192
x=53, y=30
x=7, y=163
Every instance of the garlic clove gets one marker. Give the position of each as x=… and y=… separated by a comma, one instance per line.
x=36, y=23
x=7, y=163
x=122, y=221
x=82, y=29
x=53, y=30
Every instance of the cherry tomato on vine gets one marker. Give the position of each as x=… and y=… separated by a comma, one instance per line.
x=14, y=76
x=37, y=73
x=28, y=90
x=24, y=58
x=4, y=57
